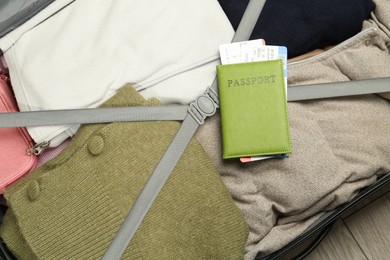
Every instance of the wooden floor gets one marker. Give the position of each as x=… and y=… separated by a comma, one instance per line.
x=363, y=235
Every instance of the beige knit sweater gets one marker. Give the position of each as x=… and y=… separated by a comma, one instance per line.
x=338, y=145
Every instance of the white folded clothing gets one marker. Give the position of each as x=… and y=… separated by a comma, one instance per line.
x=77, y=54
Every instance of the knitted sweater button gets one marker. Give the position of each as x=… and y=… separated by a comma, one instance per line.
x=33, y=191
x=96, y=145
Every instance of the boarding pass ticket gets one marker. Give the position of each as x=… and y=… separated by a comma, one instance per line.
x=251, y=51
x=239, y=52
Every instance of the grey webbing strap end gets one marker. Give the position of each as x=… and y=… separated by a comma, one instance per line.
x=204, y=106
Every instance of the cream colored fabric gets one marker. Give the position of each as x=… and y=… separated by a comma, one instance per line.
x=339, y=145
x=80, y=56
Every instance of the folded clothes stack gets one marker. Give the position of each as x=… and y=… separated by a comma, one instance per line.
x=79, y=54
x=60, y=59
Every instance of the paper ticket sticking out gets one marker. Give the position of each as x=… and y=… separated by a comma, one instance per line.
x=239, y=52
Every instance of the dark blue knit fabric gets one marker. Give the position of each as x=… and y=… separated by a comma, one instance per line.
x=303, y=25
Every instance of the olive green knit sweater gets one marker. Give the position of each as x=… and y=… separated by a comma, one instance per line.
x=72, y=207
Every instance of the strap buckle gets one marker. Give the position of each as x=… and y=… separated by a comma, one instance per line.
x=204, y=106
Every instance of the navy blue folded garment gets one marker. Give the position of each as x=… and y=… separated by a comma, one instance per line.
x=303, y=25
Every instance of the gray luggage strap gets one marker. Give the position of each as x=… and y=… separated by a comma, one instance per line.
x=204, y=106
x=93, y=115
x=179, y=112
x=338, y=89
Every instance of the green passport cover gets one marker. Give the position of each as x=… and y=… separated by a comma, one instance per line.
x=253, y=109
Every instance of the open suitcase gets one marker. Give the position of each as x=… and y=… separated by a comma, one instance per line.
x=198, y=112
